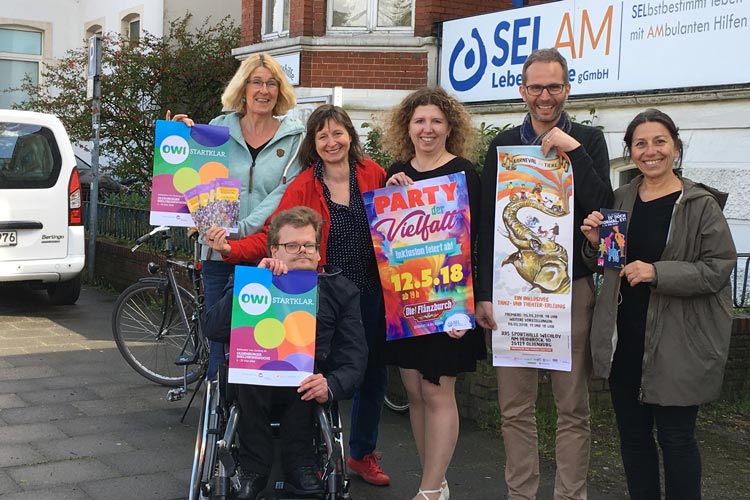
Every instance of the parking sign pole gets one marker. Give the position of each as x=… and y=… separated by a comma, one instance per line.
x=94, y=75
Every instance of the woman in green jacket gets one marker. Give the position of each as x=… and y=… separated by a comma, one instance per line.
x=662, y=323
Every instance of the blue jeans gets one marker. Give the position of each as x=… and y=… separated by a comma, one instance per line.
x=367, y=402
x=215, y=277
x=675, y=430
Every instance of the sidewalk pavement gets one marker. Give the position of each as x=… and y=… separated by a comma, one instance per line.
x=77, y=423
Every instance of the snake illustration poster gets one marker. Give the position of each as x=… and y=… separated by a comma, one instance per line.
x=421, y=235
x=272, y=340
x=189, y=160
x=532, y=269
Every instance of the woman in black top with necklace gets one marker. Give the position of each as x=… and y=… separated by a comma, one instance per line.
x=425, y=134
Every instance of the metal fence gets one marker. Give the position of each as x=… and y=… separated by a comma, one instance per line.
x=126, y=225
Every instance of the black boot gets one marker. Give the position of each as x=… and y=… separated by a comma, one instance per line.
x=305, y=481
x=251, y=483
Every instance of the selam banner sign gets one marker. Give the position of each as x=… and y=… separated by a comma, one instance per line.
x=610, y=46
x=422, y=240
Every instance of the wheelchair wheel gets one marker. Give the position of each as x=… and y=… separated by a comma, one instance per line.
x=204, y=455
x=331, y=454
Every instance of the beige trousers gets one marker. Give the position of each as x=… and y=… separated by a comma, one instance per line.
x=517, y=393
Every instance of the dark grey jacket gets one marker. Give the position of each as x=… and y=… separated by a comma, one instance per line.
x=689, y=319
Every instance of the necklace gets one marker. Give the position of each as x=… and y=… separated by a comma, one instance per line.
x=435, y=164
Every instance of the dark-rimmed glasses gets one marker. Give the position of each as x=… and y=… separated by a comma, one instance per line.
x=553, y=89
x=293, y=247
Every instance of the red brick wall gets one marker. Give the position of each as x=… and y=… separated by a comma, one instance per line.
x=252, y=12
x=309, y=16
x=429, y=11
x=364, y=70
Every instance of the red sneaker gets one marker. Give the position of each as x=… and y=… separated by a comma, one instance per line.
x=369, y=470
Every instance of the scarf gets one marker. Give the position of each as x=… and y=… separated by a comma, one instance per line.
x=529, y=137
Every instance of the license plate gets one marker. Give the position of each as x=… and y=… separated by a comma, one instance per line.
x=8, y=238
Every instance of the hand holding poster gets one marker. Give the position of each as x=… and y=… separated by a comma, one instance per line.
x=272, y=339
x=191, y=184
x=533, y=238
x=422, y=244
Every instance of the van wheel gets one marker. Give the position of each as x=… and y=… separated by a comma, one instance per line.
x=66, y=292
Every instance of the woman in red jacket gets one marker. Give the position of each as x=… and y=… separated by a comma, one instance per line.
x=335, y=175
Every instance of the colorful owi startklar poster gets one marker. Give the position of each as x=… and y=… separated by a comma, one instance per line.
x=272, y=339
x=188, y=162
x=421, y=235
x=532, y=267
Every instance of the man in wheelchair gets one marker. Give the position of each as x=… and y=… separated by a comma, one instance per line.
x=340, y=362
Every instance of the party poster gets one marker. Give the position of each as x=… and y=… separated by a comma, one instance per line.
x=531, y=297
x=272, y=339
x=187, y=160
x=421, y=235
x=612, y=245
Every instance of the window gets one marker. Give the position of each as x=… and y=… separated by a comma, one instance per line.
x=29, y=156
x=20, y=56
x=131, y=27
x=275, y=18
x=371, y=15
x=93, y=28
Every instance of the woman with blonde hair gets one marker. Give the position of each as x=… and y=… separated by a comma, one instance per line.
x=263, y=148
x=427, y=134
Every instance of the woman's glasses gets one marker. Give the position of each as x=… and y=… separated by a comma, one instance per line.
x=258, y=84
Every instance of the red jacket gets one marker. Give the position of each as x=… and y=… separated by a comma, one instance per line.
x=305, y=190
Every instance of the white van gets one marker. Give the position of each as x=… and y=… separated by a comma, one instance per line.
x=41, y=215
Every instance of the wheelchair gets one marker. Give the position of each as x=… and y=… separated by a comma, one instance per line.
x=214, y=474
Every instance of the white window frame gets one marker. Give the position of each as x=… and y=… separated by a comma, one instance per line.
x=277, y=30
x=618, y=166
x=33, y=58
x=371, y=23
x=126, y=24
x=92, y=28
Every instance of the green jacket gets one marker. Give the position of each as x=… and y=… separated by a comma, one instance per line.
x=689, y=319
x=273, y=170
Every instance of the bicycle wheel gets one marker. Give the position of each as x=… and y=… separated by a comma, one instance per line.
x=150, y=333
x=204, y=455
x=395, y=394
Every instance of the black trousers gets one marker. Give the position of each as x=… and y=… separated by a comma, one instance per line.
x=675, y=431
x=259, y=406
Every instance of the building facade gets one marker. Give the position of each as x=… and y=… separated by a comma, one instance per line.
x=367, y=54
x=39, y=32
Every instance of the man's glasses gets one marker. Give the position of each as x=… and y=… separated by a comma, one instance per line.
x=295, y=247
x=554, y=89
x=258, y=84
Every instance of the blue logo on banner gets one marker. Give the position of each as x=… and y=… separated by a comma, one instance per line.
x=469, y=62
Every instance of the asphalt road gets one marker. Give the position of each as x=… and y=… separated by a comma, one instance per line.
x=77, y=423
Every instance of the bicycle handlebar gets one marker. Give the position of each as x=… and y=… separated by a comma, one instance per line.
x=143, y=239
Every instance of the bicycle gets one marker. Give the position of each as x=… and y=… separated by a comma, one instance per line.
x=396, y=399
x=156, y=322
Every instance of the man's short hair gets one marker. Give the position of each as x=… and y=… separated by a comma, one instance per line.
x=297, y=217
x=545, y=55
